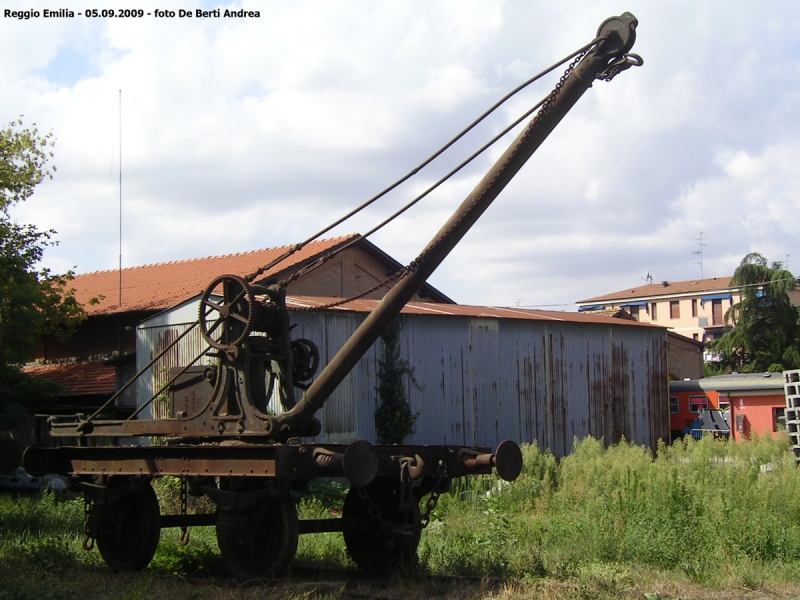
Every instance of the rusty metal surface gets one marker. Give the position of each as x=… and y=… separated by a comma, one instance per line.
x=519, y=377
x=464, y=310
x=293, y=462
x=149, y=342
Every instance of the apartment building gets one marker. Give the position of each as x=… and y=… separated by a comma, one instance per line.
x=695, y=308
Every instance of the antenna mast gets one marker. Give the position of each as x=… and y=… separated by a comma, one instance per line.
x=700, y=252
x=120, y=198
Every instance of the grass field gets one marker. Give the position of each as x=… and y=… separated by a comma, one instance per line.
x=705, y=519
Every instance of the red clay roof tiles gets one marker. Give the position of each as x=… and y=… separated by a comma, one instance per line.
x=659, y=289
x=160, y=286
x=78, y=378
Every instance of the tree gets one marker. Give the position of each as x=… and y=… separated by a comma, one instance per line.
x=33, y=303
x=766, y=333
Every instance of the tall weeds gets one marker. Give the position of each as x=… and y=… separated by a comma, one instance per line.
x=708, y=508
x=717, y=513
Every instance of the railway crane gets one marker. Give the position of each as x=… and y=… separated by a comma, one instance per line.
x=222, y=442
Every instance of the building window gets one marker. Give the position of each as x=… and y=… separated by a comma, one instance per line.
x=716, y=312
x=779, y=419
x=674, y=404
x=697, y=403
x=653, y=312
x=675, y=309
x=634, y=310
x=694, y=307
x=696, y=337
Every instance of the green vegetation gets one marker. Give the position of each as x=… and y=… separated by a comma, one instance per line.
x=766, y=334
x=33, y=303
x=700, y=517
x=393, y=418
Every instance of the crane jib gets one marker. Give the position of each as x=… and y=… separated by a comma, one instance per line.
x=608, y=57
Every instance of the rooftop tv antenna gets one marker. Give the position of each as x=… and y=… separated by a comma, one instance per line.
x=700, y=252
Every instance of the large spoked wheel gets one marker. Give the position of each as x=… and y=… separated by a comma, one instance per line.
x=374, y=549
x=226, y=311
x=127, y=533
x=261, y=542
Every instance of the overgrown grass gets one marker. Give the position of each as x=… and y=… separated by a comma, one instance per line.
x=720, y=513
x=708, y=513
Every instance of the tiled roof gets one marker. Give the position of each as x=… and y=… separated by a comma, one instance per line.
x=160, y=286
x=78, y=378
x=667, y=288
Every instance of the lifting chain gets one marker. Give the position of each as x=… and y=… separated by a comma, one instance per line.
x=546, y=105
x=88, y=540
x=184, y=494
x=374, y=511
x=406, y=498
x=433, y=498
x=614, y=68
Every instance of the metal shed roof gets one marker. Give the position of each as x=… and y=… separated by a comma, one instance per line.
x=425, y=308
x=731, y=382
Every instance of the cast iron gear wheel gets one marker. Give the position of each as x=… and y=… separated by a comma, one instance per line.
x=228, y=302
x=306, y=359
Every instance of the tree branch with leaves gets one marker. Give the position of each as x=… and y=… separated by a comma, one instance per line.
x=33, y=302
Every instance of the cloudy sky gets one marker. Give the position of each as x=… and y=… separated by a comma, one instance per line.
x=246, y=133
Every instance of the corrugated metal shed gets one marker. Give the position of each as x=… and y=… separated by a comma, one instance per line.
x=485, y=374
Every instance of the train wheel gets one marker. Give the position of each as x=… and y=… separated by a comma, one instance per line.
x=127, y=534
x=391, y=542
x=261, y=542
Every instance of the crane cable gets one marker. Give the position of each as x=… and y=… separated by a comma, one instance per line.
x=296, y=247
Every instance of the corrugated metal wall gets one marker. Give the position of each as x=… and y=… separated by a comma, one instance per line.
x=483, y=380
x=150, y=341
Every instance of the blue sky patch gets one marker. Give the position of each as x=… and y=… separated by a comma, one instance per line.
x=70, y=66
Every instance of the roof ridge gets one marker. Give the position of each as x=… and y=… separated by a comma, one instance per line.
x=218, y=256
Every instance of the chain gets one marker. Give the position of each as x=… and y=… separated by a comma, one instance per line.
x=436, y=492
x=411, y=267
x=88, y=540
x=391, y=279
x=184, y=493
x=415, y=263
x=546, y=106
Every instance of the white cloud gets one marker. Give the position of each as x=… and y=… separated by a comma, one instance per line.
x=244, y=133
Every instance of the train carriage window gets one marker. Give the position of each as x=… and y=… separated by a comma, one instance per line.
x=697, y=403
x=674, y=404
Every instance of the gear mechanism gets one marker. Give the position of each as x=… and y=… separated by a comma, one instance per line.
x=226, y=311
x=306, y=360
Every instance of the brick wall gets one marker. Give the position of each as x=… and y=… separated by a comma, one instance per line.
x=684, y=357
x=348, y=274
